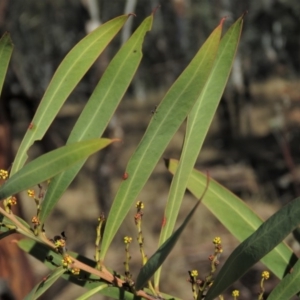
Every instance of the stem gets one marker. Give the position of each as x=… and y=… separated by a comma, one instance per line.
x=41, y=238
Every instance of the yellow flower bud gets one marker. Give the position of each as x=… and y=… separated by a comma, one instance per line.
x=265, y=275
x=3, y=174
x=217, y=240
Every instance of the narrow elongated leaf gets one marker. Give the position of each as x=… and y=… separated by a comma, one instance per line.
x=6, y=48
x=10, y=224
x=43, y=254
x=45, y=284
x=100, y=108
x=67, y=76
x=289, y=285
x=48, y=165
x=6, y=224
x=92, y=292
x=198, y=124
x=254, y=248
x=237, y=217
x=161, y=254
x=165, y=122
x=3, y=229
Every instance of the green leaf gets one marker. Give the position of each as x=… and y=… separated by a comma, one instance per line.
x=45, y=284
x=48, y=165
x=5, y=221
x=52, y=259
x=237, y=217
x=92, y=292
x=100, y=108
x=165, y=122
x=289, y=285
x=6, y=48
x=42, y=252
x=198, y=124
x=261, y=242
x=67, y=76
x=157, y=259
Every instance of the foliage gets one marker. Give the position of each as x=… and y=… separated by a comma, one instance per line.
x=195, y=95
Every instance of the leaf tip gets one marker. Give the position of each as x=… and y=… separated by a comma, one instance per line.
x=222, y=21
x=116, y=140
x=244, y=14
x=155, y=9
x=6, y=34
x=131, y=14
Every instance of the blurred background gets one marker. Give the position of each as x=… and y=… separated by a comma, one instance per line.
x=252, y=147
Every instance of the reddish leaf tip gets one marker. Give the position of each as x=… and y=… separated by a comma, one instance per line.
x=244, y=14
x=131, y=14
x=155, y=9
x=116, y=140
x=222, y=21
